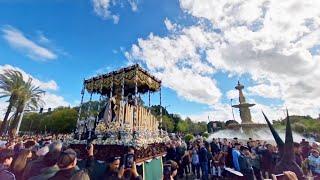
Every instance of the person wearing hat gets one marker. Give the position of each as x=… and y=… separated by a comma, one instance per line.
x=6, y=157
x=314, y=162
x=245, y=163
x=235, y=156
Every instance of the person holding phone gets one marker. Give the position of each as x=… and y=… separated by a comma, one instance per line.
x=127, y=170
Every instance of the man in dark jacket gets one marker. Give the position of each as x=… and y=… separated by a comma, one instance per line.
x=215, y=147
x=67, y=163
x=203, y=159
x=245, y=163
x=6, y=157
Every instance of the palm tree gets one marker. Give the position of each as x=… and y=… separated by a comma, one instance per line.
x=29, y=98
x=11, y=83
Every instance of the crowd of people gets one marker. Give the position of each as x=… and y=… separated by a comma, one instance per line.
x=43, y=157
x=222, y=158
x=47, y=158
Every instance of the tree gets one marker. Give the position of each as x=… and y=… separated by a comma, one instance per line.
x=11, y=83
x=30, y=98
x=167, y=123
x=182, y=126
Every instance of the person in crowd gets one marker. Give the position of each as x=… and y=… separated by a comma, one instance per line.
x=81, y=175
x=67, y=163
x=171, y=151
x=305, y=148
x=218, y=163
x=267, y=162
x=215, y=147
x=203, y=159
x=19, y=164
x=180, y=153
x=115, y=172
x=297, y=152
x=170, y=170
x=33, y=168
x=235, y=156
x=6, y=158
x=210, y=157
x=245, y=164
x=186, y=162
x=314, y=162
x=256, y=160
x=50, y=160
x=195, y=164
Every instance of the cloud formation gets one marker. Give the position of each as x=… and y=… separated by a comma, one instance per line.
x=19, y=41
x=102, y=8
x=275, y=42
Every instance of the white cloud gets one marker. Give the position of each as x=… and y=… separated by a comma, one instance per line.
x=269, y=40
x=102, y=8
x=134, y=5
x=267, y=91
x=176, y=61
x=19, y=41
x=50, y=99
x=232, y=94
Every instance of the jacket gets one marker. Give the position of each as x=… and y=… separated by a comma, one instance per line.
x=33, y=168
x=64, y=174
x=46, y=173
x=5, y=174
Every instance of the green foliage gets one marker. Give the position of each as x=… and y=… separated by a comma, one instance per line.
x=167, y=124
x=299, y=127
x=205, y=134
x=182, y=126
x=188, y=137
x=61, y=120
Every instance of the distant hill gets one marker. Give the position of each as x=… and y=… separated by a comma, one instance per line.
x=305, y=125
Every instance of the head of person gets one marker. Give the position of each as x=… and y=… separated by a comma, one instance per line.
x=235, y=140
x=269, y=147
x=55, y=146
x=6, y=157
x=170, y=170
x=296, y=148
x=51, y=158
x=43, y=151
x=113, y=164
x=29, y=144
x=130, y=150
x=315, y=153
x=237, y=146
x=67, y=159
x=214, y=140
x=21, y=161
x=244, y=150
x=81, y=175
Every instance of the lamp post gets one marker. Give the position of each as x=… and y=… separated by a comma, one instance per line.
x=232, y=109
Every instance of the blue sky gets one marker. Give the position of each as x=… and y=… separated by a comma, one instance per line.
x=198, y=55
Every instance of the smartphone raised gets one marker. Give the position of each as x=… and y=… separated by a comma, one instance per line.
x=128, y=161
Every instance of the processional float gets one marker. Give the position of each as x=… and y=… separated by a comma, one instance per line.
x=122, y=120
